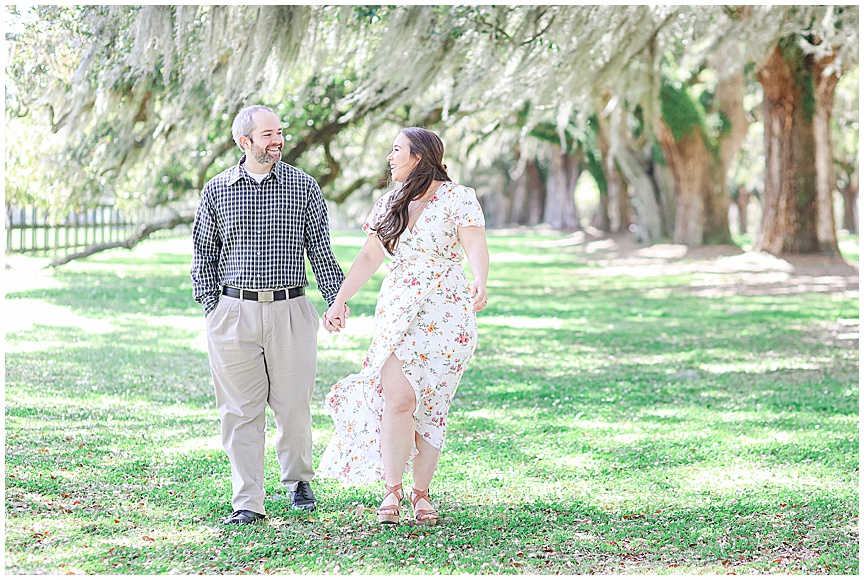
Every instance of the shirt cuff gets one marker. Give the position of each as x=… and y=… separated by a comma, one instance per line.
x=209, y=304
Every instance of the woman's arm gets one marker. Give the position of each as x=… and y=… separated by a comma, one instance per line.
x=365, y=265
x=473, y=239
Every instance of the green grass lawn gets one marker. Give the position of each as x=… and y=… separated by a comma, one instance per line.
x=628, y=410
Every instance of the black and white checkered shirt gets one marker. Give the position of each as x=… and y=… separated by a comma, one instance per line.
x=251, y=235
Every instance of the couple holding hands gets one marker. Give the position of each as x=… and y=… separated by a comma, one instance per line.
x=254, y=222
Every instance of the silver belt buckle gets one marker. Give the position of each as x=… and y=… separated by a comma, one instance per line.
x=265, y=296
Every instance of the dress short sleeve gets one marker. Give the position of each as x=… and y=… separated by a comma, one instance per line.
x=467, y=211
x=378, y=211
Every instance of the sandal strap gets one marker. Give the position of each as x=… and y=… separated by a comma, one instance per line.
x=417, y=495
x=392, y=490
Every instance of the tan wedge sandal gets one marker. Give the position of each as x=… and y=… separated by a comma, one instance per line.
x=423, y=517
x=390, y=514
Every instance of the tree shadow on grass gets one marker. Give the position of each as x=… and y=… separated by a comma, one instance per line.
x=134, y=360
x=98, y=294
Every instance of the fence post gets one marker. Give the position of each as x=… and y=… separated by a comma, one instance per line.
x=56, y=229
x=8, y=228
x=22, y=216
x=33, y=228
x=75, y=230
x=47, y=231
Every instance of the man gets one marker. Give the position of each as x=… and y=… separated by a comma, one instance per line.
x=253, y=223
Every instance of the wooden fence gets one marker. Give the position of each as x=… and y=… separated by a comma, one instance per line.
x=33, y=231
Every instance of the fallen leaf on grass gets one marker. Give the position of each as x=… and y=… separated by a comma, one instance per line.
x=148, y=539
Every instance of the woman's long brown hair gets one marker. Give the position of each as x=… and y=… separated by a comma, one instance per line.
x=430, y=149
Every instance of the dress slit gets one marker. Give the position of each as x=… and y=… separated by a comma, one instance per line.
x=418, y=396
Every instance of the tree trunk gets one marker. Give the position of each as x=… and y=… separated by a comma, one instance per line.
x=619, y=201
x=699, y=164
x=730, y=98
x=529, y=197
x=664, y=182
x=717, y=201
x=615, y=204
x=850, y=204
x=560, y=208
x=688, y=159
x=742, y=201
x=789, y=203
x=600, y=219
x=650, y=227
x=825, y=81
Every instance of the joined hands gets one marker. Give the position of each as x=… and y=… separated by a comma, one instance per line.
x=334, y=319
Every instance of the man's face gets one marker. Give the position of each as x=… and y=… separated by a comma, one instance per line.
x=265, y=142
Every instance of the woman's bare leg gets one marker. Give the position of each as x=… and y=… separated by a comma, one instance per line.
x=397, y=423
x=423, y=467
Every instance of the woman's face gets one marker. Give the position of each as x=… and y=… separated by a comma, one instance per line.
x=400, y=159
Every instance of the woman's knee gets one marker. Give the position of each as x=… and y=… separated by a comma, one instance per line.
x=398, y=395
x=400, y=400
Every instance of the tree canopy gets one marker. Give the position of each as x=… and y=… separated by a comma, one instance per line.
x=136, y=101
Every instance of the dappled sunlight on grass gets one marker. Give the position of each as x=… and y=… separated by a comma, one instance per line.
x=520, y=322
x=759, y=367
x=27, y=314
x=737, y=475
x=211, y=443
x=516, y=257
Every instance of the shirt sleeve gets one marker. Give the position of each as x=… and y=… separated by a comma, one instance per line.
x=467, y=211
x=328, y=273
x=206, y=247
x=375, y=215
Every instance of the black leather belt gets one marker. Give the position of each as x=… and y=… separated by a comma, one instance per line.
x=286, y=294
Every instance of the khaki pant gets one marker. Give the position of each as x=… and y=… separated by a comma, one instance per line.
x=264, y=353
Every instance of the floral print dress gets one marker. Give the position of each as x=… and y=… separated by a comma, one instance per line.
x=424, y=316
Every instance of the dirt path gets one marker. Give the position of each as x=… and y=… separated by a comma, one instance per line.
x=722, y=270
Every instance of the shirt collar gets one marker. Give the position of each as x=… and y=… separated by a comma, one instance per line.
x=239, y=172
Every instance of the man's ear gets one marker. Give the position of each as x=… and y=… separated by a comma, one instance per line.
x=245, y=142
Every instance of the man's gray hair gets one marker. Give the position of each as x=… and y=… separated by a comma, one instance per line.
x=243, y=123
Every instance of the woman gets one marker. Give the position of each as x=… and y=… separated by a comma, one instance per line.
x=396, y=407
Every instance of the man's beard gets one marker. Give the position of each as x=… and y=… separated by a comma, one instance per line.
x=262, y=156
